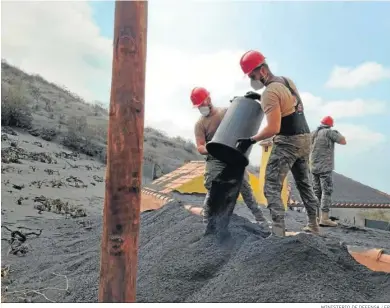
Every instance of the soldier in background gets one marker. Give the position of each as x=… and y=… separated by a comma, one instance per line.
x=323, y=140
x=205, y=128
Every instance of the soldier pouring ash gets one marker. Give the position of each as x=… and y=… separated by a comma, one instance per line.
x=286, y=121
x=205, y=128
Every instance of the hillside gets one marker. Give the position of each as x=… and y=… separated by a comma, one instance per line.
x=53, y=155
x=62, y=117
x=53, y=168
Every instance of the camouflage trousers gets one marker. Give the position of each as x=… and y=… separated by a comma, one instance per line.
x=213, y=169
x=289, y=153
x=323, y=188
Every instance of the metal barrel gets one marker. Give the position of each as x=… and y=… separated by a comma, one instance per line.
x=242, y=120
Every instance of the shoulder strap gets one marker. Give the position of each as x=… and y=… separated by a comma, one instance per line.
x=286, y=83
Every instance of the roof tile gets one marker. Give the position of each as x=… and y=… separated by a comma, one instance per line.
x=347, y=192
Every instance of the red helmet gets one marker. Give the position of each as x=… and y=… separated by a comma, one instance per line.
x=250, y=60
x=198, y=95
x=328, y=120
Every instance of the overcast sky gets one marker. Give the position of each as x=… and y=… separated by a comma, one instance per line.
x=334, y=51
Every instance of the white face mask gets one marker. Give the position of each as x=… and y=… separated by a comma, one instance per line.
x=204, y=111
x=256, y=85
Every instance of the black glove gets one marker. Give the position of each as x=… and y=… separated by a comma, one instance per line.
x=253, y=95
x=243, y=144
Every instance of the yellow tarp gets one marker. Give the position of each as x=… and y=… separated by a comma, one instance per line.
x=264, y=160
x=195, y=185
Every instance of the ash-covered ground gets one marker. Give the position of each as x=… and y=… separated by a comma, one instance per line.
x=54, y=198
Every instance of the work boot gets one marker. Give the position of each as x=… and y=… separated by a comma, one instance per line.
x=278, y=229
x=261, y=220
x=312, y=226
x=326, y=222
x=264, y=224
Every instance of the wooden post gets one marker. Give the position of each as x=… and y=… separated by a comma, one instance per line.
x=119, y=248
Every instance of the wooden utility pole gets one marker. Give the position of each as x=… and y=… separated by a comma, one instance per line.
x=121, y=217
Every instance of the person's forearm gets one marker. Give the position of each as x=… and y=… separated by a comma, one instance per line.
x=342, y=141
x=202, y=150
x=265, y=133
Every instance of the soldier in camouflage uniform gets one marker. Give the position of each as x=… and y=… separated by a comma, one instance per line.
x=322, y=165
x=286, y=121
x=205, y=129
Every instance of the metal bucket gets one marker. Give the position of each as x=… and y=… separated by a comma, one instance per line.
x=242, y=120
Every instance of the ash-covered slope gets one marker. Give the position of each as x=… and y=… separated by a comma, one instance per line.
x=178, y=264
x=57, y=115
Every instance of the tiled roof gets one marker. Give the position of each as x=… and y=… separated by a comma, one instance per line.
x=169, y=182
x=151, y=200
x=346, y=193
